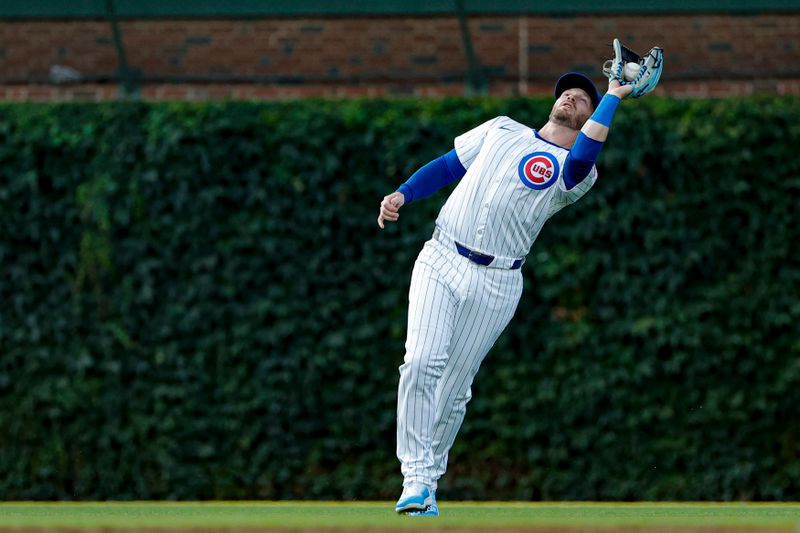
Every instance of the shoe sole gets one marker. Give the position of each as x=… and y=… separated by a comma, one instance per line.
x=430, y=511
x=411, y=506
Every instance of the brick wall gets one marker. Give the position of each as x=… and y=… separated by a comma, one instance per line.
x=705, y=55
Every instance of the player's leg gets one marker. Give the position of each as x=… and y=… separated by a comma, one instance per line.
x=479, y=323
x=431, y=313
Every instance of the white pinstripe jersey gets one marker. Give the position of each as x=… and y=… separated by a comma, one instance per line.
x=513, y=184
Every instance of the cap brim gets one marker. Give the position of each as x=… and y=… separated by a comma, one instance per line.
x=573, y=80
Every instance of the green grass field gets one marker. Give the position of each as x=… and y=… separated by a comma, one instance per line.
x=379, y=515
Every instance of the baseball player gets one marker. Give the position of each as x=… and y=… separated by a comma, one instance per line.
x=467, y=281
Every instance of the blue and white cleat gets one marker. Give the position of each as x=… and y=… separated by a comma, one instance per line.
x=432, y=509
x=415, y=497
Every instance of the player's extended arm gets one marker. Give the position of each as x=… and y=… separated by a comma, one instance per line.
x=438, y=173
x=593, y=134
x=427, y=180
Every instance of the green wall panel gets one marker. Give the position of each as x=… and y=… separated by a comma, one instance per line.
x=239, y=8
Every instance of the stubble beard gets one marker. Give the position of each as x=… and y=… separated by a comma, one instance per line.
x=563, y=117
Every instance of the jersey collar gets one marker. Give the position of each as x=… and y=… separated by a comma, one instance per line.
x=536, y=133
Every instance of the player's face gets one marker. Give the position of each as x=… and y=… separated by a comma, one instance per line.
x=572, y=109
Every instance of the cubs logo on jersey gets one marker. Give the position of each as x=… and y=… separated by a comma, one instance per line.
x=538, y=170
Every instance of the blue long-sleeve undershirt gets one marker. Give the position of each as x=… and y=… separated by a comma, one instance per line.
x=430, y=178
x=584, y=152
x=580, y=160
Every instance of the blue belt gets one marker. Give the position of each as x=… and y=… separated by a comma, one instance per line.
x=482, y=259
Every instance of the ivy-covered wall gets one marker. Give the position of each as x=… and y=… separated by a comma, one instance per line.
x=196, y=302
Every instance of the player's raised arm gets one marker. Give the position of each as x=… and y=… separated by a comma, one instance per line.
x=628, y=74
x=586, y=149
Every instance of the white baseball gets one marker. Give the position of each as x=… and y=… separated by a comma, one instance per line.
x=630, y=71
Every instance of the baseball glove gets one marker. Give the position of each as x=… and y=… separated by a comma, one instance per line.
x=649, y=71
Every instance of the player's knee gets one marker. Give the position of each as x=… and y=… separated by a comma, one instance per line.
x=417, y=367
x=464, y=398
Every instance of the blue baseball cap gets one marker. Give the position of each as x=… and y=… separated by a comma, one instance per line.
x=572, y=80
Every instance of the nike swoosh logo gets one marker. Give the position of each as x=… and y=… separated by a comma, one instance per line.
x=504, y=128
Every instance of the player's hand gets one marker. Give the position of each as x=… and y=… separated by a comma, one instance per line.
x=390, y=206
x=619, y=90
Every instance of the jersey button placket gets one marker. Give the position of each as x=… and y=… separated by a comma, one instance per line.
x=484, y=216
x=482, y=222
x=479, y=232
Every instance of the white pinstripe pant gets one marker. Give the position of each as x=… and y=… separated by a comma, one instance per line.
x=457, y=310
